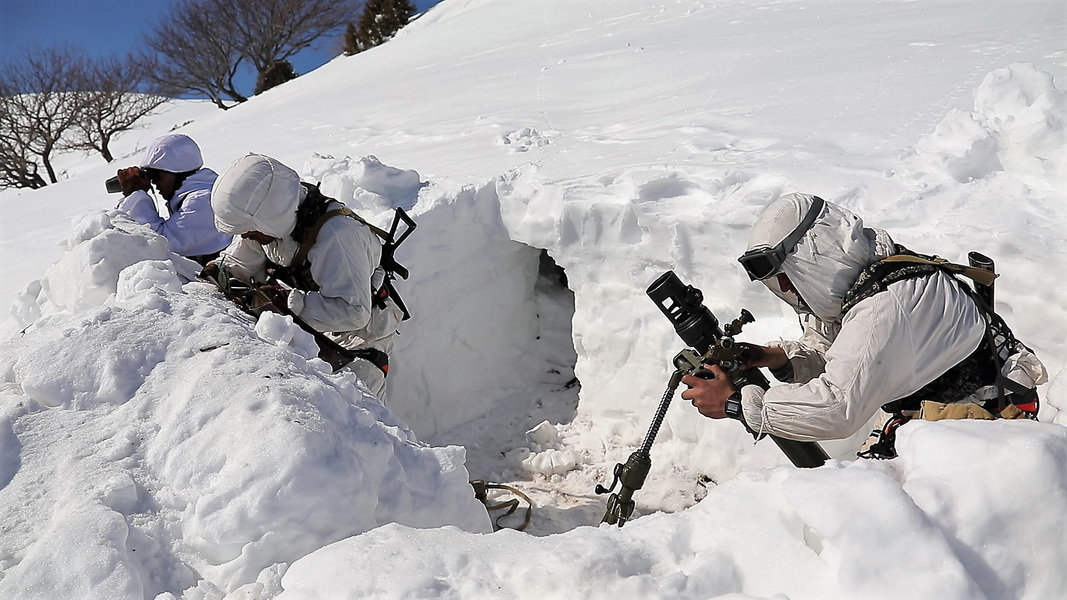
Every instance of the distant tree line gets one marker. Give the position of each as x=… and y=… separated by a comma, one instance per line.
x=56, y=99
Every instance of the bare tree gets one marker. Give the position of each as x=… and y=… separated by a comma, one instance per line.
x=192, y=51
x=17, y=167
x=41, y=103
x=56, y=99
x=115, y=102
x=272, y=31
x=201, y=44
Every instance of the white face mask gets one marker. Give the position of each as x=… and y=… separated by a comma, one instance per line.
x=791, y=298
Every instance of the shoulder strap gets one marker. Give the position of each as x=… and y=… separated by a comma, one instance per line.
x=377, y=230
x=1000, y=342
x=387, y=291
x=906, y=264
x=980, y=276
x=313, y=233
x=311, y=220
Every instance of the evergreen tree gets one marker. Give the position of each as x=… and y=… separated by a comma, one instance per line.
x=380, y=21
x=276, y=74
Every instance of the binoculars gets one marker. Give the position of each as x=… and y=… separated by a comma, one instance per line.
x=113, y=186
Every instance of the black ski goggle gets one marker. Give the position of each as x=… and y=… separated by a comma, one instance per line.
x=764, y=261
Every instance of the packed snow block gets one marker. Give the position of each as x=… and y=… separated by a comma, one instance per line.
x=174, y=448
x=933, y=523
x=364, y=182
x=605, y=249
x=614, y=240
x=102, y=244
x=1018, y=125
x=470, y=292
x=293, y=457
x=81, y=363
x=473, y=314
x=995, y=489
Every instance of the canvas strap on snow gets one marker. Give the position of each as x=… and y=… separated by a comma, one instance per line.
x=481, y=492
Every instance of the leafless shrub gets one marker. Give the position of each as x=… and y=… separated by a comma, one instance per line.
x=116, y=101
x=56, y=99
x=41, y=104
x=201, y=45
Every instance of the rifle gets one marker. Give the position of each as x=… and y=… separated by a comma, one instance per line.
x=708, y=344
x=253, y=300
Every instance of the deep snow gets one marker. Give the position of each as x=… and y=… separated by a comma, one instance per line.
x=152, y=441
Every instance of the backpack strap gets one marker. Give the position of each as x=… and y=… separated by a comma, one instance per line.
x=976, y=274
x=988, y=358
x=906, y=264
x=312, y=233
x=309, y=231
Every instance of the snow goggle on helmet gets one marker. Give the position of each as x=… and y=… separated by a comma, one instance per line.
x=764, y=261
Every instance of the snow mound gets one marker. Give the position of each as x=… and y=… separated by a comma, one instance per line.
x=931, y=525
x=1019, y=125
x=364, y=181
x=101, y=244
x=173, y=448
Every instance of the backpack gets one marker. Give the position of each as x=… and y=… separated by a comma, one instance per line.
x=983, y=367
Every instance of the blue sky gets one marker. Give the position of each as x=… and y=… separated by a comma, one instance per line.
x=106, y=27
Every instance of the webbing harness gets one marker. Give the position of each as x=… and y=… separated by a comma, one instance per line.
x=313, y=214
x=981, y=368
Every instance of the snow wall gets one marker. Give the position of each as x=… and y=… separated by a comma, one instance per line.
x=180, y=444
x=203, y=490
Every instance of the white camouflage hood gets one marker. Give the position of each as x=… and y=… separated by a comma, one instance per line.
x=174, y=153
x=829, y=257
x=257, y=193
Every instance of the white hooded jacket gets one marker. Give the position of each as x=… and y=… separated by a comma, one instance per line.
x=258, y=193
x=886, y=347
x=190, y=224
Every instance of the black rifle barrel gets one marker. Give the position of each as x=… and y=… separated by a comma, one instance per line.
x=806, y=455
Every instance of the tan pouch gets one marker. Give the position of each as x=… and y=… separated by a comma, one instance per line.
x=936, y=411
x=1013, y=412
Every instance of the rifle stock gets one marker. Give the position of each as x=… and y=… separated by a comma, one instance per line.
x=254, y=301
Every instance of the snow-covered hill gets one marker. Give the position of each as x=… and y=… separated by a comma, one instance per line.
x=153, y=442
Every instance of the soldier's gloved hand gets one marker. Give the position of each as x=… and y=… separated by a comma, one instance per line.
x=271, y=298
x=132, y=179
x=210, y=270
x=753, y=356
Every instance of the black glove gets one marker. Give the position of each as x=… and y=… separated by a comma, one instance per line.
x=751, y=355
x=210, y=271
x=268, y=298
x=132, y=179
